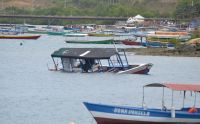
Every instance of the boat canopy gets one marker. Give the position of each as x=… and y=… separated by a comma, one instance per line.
x=85, y=53
x=179, y=87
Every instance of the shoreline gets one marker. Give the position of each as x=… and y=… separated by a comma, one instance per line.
x=163, y=52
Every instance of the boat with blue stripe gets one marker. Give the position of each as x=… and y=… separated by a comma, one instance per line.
x=114, y=114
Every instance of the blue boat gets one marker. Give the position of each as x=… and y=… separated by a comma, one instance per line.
x=157, y=44
x=112, y=114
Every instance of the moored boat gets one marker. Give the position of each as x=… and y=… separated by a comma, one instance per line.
x=148, y=43
x=114, y=114
x=34, y=37
x=55, y=33
x=157, y=44
x=100, y=34
x=109, y=41
x=171, y=33
x=71, y=34
x=130, y=42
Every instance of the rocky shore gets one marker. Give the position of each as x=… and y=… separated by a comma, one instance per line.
x=187, y=50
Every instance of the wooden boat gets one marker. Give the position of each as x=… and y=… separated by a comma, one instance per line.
x=171, y=33
x=131, y=42
x=70, y=34
x=34, y=37
x=148, y=43
x=113, y=114
x=55, y=33
x=100, y=35
x=137, y=69
x=157, y=44
x=97, y=60
x=109, y=41
x=162, y=36
x=39, y=30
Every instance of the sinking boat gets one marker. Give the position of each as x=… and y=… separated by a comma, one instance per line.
x=113, y=114
x=90, y=60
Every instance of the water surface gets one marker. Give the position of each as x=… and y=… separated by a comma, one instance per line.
x=30, y=94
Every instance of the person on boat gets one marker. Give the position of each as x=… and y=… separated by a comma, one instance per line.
x=96, y=67
x=88, y=64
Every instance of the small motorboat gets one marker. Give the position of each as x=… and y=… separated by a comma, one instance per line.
x=131, y=42
x=109, y=41
x=33, y=37
x=113, y=114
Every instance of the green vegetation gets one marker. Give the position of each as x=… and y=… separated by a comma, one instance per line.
x=165, y=40
x=119, y=8
x=187, y=9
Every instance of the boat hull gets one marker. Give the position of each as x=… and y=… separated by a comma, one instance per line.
x=130, y=42
x=55, y=33
x=19, y=37
x=119, y=121
x=92, y=42
x=108, y=114
x=140, y=69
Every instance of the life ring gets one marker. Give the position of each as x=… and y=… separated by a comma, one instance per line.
x=192, y=110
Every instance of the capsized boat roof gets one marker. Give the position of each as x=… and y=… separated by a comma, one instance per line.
x=174, y=86
x=85, y=53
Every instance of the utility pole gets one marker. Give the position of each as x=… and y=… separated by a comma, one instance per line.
x=2, y=6
x=32, y=6
x=65, y=4
x=192, y=3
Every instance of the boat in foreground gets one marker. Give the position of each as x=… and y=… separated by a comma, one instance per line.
x=113, y=114
x=34, y=37
x=97, y=60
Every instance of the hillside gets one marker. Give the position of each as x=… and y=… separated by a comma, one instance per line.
x=26, y=3
x=111, y=8
x=165, y=7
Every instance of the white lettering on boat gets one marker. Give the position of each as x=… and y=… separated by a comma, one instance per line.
x=130, y=112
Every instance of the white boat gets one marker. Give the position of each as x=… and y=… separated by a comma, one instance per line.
x=138, y=69
x=75, y=34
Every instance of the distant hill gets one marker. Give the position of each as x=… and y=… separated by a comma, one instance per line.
x=27, y=3
x=111, y=8
x=161, y=6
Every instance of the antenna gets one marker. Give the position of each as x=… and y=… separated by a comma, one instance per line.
x=115, y=45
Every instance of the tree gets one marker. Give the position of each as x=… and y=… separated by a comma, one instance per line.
x=188, y=9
